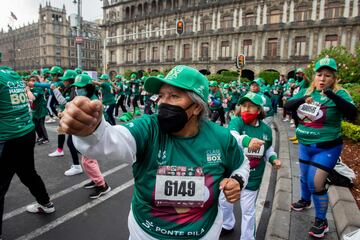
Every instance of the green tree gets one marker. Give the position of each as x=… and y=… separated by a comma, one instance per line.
x=269, y=76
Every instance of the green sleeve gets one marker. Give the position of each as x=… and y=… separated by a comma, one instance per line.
x=237, y=124
x=345, y=95
x=234, y=156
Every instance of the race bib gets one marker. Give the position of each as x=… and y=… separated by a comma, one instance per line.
x=255, y=154
x=180, y=186
x=309, y=110
x=275, y=92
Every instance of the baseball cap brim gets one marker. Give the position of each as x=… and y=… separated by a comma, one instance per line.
x=153, y=84
x=245, y=98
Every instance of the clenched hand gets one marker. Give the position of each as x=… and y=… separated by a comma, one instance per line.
x=81, y=116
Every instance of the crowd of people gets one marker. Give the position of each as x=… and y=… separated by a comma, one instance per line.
x=196, y=147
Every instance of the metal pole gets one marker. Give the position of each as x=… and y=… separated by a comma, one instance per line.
x=78, y=32
x=104, y=55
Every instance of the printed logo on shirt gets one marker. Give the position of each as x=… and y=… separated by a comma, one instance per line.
x=213, y=156
x=131, y=124
x=265, y=137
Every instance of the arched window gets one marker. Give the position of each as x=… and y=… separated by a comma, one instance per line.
x=127, y=13
x=168, y=4
x=153, y=6
x=146, y=6
x=140, y=10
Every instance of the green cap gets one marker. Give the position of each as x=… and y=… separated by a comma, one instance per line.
x=56, y=70
x=276, y=80
x=78, y=70
x=214, y=84
x=160, y=75
x=133, y=75
x=252, y=97
x=257, y=81
x=326, y=62
x=226, y=85
x=35, y=72
x=104, y=77
x=299, y=70
x=291, y=80
x=182, y=77
x=68, y=74
x=118, y=76
x=82, y=80
x=45, y=71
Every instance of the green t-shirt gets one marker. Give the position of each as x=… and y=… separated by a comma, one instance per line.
x=15, y=117
x=107, y=93
x=217, y=158
x=326, y=125
x=120, y=85
x=263, y=132
x=135, y=85
x=39, y=109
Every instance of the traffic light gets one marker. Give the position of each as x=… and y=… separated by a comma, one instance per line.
x=180, y=24
x=240, y=61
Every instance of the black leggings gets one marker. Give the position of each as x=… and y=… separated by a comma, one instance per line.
x=110, y=112
x=53, y=103
x=18, y=158
x=135, y=100
x=40, y=128
x=120, y=103
x=73, y=151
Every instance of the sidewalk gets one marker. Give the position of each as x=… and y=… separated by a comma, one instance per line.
x=286, y=224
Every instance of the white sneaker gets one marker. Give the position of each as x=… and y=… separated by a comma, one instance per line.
x=50, y=120
x=286, y=119
x=75, y=169
x=292, y=125
x=56, y=154
x=292, y=121
x=38, y=208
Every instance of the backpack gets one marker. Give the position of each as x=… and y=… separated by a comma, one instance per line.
x=341, y=175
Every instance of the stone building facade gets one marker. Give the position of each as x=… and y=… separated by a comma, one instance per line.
x=49, y=42
x=276, y=35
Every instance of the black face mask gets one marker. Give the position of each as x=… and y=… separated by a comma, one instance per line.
x=172, y=118
x=300, y=78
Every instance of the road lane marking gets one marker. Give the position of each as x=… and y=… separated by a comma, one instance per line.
x=75, y=212
x=63, y=192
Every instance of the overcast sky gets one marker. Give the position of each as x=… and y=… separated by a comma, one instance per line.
x=28, y=10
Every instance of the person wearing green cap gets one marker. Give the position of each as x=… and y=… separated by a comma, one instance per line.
x=275, y=95
x=181, y=160
x=248, y=126
x=39, y=112
x=17, y=142
x=78, y=70
x=320, y=108
x=120, y=94
x=108, y=98
x=135, y=87
x=255, y=87
x=64, y=96
x=84, y=87
x=215, y=103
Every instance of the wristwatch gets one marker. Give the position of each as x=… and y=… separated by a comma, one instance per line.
x=239, y=179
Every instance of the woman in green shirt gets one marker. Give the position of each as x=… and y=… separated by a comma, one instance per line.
x=320, y=109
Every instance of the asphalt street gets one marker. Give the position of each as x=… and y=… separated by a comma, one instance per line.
x=76, y=215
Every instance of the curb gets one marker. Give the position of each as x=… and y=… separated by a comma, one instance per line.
x=345, y=210
x=279, y=227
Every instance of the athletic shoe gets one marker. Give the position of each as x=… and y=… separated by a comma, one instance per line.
x=300, y=205
x=295, y=142
x=292, y=125
x=293, y=138
x=39, y=140
x=100, y=190
x=319, y=228
x=38, y=208
x=225, y=232
x=286, y=119
x=75, y=169
x=44, y=141
x=90, y=185
x=50, y=120
x=56, y=153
